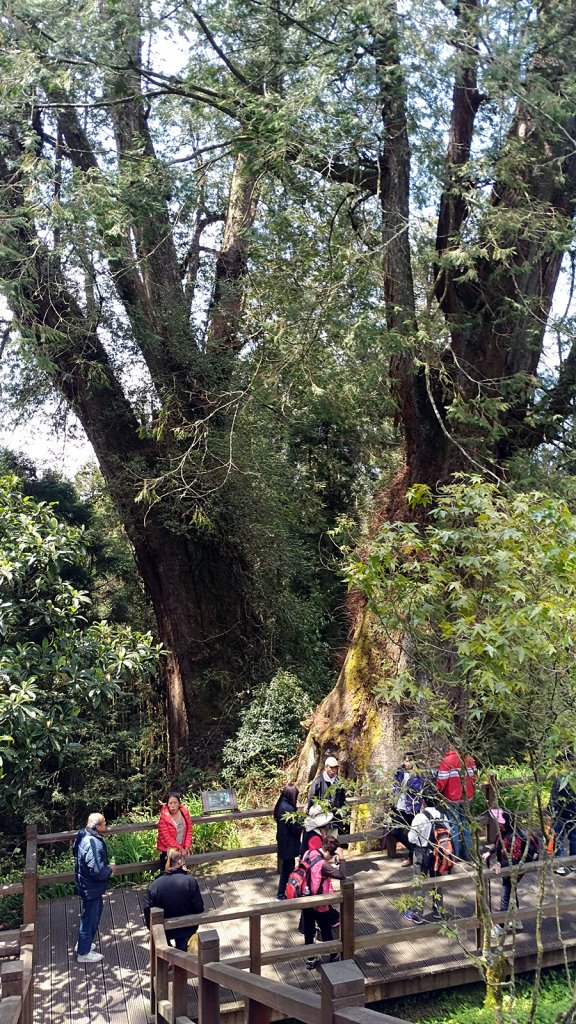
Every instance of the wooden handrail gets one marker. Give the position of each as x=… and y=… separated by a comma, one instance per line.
x=16, y=981
x=342, y=986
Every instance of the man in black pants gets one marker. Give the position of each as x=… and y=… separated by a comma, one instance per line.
x=330, y=788
x=177, y=894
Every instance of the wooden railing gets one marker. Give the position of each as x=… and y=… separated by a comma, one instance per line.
x=347, y=946
x=341, y=999
x=16, y=975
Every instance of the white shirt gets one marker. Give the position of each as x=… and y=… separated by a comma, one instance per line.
x=421, y=826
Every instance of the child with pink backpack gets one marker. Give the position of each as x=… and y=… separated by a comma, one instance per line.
x=323, y=869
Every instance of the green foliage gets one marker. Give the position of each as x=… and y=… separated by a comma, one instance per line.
x=271, y=727
x=465, y=1005
x=485, y=597
x=54, y=667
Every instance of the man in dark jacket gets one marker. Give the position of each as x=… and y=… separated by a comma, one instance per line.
x=177, y=894
x=329, y=788
x=92, y=874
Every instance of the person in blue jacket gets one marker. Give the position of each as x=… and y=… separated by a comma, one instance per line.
x=93, y=871
x=406, y=802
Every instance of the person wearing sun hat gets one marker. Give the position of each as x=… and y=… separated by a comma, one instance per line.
x=512, y=846
x=314, y=828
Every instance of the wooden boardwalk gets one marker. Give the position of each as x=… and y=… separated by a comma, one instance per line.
x=116, y=991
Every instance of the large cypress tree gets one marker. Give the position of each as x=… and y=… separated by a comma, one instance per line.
x=384, y=115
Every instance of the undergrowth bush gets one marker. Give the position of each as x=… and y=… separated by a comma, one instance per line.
x=465, y=1005
x=271, y=727
x=123, y=848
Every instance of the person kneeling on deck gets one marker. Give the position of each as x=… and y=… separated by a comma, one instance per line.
x=430, y=839
x=330, y=864
x=177, y=894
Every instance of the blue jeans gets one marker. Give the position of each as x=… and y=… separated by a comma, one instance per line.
x=459, y=831
x=89, y=921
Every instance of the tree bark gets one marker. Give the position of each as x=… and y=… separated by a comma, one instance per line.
x=495, y=315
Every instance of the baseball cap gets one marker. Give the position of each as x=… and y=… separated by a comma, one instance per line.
x=496, y=813
x=331, y=762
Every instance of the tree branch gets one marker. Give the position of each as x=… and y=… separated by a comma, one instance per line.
x=218, y=50
x=466, y=100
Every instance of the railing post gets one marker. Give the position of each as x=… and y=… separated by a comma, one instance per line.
x=12, y=975
x=208, y=991
x=255, y=938
x=347, y=919
x=256, y=1013
x=30, y=875
x=341, y=985
x=179, y=992
x=27, y=936
x=156, y=917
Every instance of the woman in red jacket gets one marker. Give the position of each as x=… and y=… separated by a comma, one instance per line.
x=174, y=828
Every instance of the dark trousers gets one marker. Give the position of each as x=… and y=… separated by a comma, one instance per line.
x=89, y=921
x=401, y=822
x=180, y=937
x=507, y=892
x=423, y=869
x=322, y=918
x=287, y=866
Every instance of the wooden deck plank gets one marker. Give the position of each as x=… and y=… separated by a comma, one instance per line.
x=116, y=991
x=127, y=1001
x=62, y=1007
x=98, y=979
x=41, y=996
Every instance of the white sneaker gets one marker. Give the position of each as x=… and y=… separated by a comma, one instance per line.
x=92, y=947
x=497, y=931
x=560, y=871
x=90, y=958
x=515, y=926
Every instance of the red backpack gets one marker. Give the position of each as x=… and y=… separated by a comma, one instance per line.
x=298, y=883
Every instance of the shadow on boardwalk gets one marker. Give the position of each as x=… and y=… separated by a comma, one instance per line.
x=116, y=990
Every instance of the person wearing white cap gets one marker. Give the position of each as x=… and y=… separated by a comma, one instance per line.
x=329, y=787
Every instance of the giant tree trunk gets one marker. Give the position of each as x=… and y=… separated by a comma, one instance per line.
x=162, y=471
x=495, y=313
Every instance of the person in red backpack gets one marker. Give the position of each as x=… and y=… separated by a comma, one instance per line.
x=323, y=868
x=174, y=828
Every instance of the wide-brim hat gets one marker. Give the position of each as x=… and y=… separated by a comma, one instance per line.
x=317, y=817
x=497, y=813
